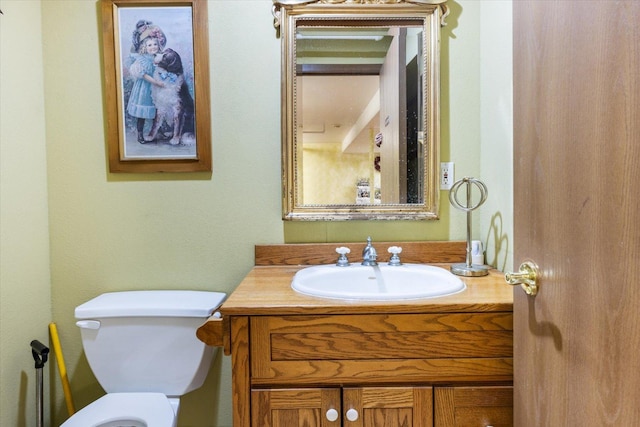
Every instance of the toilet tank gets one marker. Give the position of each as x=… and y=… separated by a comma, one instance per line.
x=145, y=341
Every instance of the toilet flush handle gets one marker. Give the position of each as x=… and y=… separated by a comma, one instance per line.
x=88, y=324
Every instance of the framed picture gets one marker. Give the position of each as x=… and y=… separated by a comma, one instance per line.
x=156, y=75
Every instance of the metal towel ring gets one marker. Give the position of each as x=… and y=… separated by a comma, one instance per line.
x=453, y=194
x=468, y=269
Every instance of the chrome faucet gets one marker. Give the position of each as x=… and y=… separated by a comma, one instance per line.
x=369, y=254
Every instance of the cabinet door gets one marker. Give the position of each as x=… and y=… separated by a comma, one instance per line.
x=388, y=407
x=474, y=406
x=312, y=407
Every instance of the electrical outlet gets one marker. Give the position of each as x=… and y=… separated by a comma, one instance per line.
x=446, y=175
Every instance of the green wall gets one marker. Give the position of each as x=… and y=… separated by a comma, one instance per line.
x=25, y=287
x=71, y=230
x=159, y=231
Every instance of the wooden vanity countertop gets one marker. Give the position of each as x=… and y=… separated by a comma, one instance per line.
x=267, y=291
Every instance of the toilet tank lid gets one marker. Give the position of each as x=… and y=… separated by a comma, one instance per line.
x=151, y=304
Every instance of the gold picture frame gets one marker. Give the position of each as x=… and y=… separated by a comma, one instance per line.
x=156, y=74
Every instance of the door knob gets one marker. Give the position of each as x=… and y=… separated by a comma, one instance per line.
x=527, y=277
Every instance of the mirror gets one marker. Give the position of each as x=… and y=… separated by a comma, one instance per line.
x=360, y=108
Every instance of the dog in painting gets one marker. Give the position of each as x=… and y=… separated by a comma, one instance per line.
x=174, y=104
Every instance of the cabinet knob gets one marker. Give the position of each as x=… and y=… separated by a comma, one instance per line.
x=352, y=415
x=332, y=415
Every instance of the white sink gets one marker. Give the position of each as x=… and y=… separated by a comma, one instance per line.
x=378, y=283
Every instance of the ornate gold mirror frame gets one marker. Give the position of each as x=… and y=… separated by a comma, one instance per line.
x=396, y=185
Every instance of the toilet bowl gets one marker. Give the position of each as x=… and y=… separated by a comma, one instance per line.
x=142, y=348
x=126, y=410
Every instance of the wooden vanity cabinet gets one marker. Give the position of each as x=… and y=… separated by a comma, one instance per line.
x=387, y=369
x=303, y=361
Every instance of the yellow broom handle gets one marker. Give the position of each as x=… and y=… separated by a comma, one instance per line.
x=53, y=330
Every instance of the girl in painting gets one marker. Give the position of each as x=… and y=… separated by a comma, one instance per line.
x=147, y=40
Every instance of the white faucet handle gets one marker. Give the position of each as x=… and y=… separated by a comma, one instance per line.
x=342, y=259
x=395, y=259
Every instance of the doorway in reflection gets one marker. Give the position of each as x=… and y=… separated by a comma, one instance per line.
x=359, y=136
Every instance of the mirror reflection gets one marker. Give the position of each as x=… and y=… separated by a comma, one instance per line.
x=358, y=104
x=360, y=109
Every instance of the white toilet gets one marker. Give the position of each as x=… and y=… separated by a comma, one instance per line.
x=142, y=348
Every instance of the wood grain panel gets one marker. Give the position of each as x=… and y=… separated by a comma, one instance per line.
x=437, y=322
x=325, y=253
x=390, y=397
x=383, y=371
x=576, y=98
x=215, y=332
x=294, y=407
x=408, y=345
x=474, y=406
x=388, y=417
x=495, y=417
x=241, y=375
x=429, y=347
x=390, y=406
x=484, y=396
x=375, y=337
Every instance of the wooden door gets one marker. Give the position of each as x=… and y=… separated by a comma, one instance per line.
x=393, y=120
x=296, y=408
x=577, y=212
x=388, y=407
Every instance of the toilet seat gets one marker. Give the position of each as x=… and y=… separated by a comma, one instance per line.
x=126, y=410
